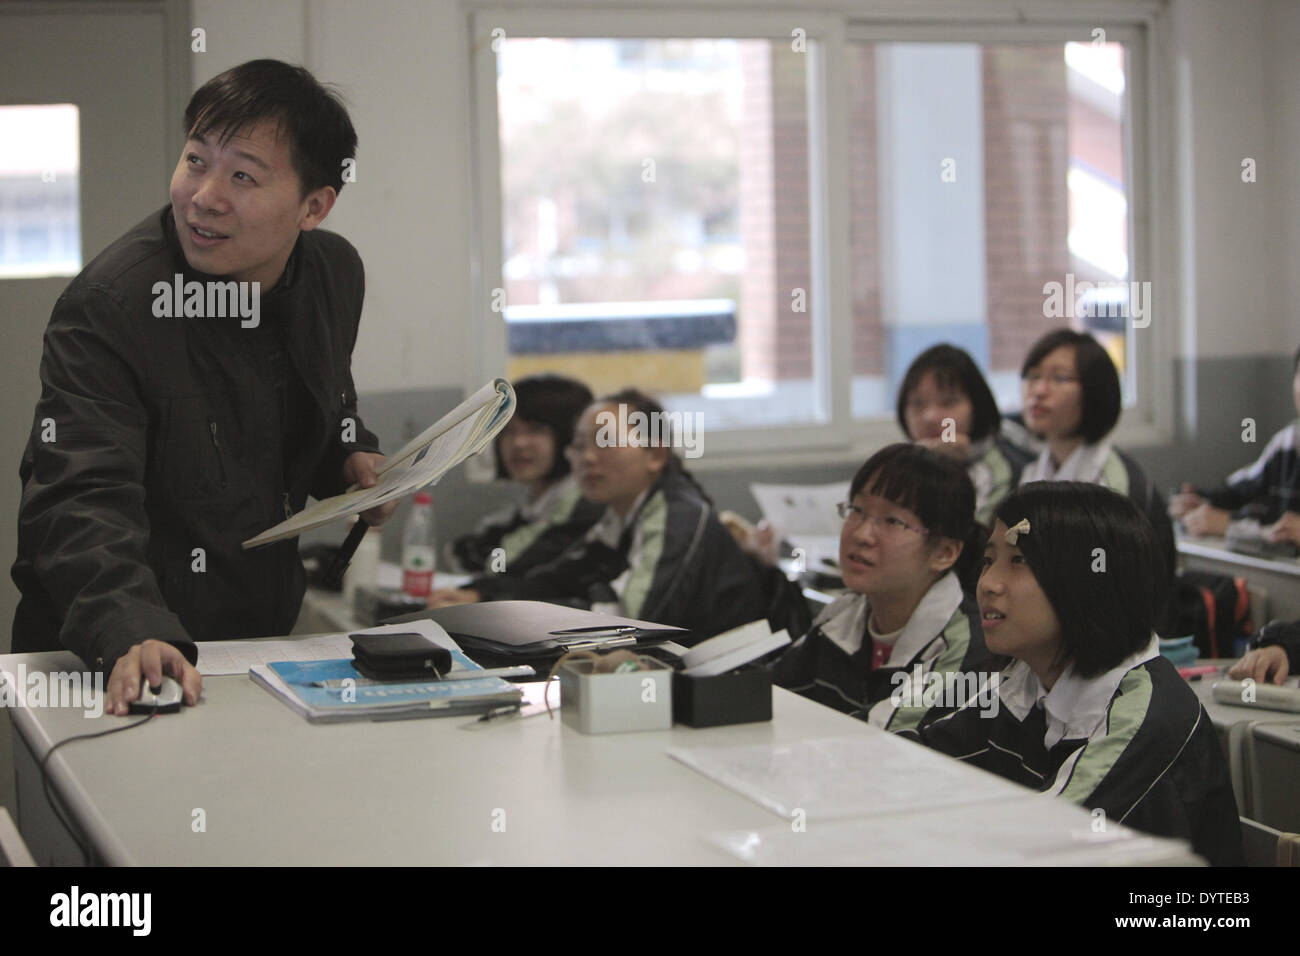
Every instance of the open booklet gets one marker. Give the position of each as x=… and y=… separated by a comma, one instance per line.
x=464, y=431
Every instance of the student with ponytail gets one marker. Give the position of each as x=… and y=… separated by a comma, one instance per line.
x=908, y=546
x=657, y=553
x=1089, y=710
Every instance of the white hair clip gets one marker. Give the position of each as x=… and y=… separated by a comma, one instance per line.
x=1014, y=532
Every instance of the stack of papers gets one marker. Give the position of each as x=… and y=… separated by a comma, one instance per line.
x=732, y=649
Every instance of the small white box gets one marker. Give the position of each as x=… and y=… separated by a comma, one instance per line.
x=615, y=703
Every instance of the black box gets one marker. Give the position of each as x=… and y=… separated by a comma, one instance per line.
x=741, y=696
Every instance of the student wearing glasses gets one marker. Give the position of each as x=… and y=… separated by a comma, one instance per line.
x=909, y=537
x=1089, y=711
x=1072, y=400
x=658, y=552
x=945, y=405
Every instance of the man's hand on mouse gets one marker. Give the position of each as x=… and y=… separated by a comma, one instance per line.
x=361, y=469
x=151, y=659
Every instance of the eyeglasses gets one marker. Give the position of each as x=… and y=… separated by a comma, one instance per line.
x=889, y=526
x=1057, y=381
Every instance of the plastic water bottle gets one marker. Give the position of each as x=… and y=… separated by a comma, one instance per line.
x=418, y=548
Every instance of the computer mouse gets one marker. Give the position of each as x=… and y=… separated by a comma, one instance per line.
x=165, y=699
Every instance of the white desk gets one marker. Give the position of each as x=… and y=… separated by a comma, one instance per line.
x=1262, y=748
x=1280, y=577
x=278, y=790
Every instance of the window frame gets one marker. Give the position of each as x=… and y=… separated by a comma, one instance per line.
x=840, y=437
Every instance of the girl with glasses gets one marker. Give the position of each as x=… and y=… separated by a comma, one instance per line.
x=909, y=536
x=1089, y=710
x=658, y=552
x=1072, y=400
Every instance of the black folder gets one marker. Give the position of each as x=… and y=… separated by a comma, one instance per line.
x=506, y=633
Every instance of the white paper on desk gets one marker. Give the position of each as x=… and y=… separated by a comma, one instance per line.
x=219, y=658
x=821, y=552
x=1022, y=831
x=802, y=509
x=869, y=774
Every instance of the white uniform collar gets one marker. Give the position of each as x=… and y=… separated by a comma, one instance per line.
x=1085, y=463
x=845, y=620
x=609, y=529
x=1076, y=706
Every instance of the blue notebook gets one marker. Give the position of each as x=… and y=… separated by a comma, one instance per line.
x=294, y=683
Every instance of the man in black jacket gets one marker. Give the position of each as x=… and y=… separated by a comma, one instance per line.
x=196, y=388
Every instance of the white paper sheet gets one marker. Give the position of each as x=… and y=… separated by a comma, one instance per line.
x=1030, y=830
x=831, y=777
x=802, y=509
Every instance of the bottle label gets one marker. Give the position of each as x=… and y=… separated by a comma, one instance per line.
x=417, y=570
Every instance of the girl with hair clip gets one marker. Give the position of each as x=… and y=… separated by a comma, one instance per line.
x=907, y=548
x=945, y=404
x=1089, y=710
x=658, y=551
x=530, y=451
x=1072, y=400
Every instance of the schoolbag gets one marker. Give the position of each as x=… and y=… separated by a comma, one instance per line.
x=1213, y=607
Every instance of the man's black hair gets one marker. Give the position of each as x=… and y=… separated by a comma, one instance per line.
x=314, y=118
x=1106, y=600
x=933, y=487
x=954, y=369
x=1098, y=379
x=552, y=400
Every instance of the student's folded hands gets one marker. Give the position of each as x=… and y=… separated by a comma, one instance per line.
x=1263, y=665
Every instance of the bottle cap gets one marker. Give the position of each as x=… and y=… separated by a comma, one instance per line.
x=423, y=498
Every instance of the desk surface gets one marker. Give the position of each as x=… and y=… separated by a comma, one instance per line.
x=278, y=790
x=1217, y=549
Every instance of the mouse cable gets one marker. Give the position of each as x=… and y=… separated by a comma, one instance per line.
x=50, y=795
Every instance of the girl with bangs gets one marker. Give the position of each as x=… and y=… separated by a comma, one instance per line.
x=1089, y=710
x=530, y=451
x=908, y=541
x=945, y=404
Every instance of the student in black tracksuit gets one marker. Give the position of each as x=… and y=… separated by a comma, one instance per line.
x=909, y=534
x=1073, y=400
x=1089, y=710
x=1267, y=491
x=945, y=405
x=658, y=552
x=530, y=452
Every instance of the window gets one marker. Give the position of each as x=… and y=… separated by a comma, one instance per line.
x=1015, y=180
x=40, y=220
x=759, y=228
x=655, y=220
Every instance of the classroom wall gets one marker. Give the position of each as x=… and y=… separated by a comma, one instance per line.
x=404, y=66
